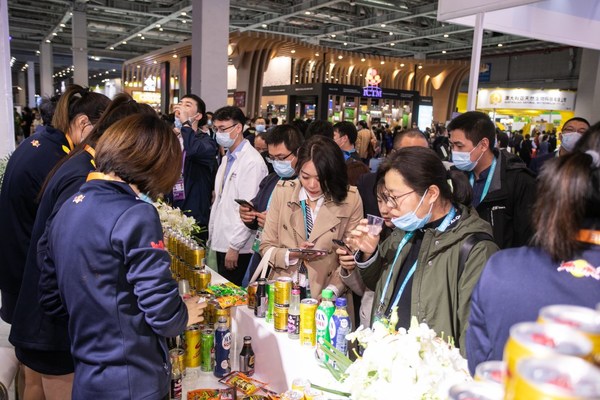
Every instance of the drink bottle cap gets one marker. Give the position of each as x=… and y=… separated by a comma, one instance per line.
x=296, y=291
x=327, y=293
x=222, y=320
x=247, y=338
x=341, y=302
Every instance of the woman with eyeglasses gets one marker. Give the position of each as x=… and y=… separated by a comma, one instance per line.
x=306, y=214
x=428, y=266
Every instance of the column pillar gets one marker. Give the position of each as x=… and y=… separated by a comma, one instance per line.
x=31, y=84
x=80, y=51
x=587, y=102
x=46, y=67
x=7, y=135
x=210, y=39
x=165, y=87
x=475, y=62
x=21, y=83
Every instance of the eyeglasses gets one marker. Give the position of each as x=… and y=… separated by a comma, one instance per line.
x=271, y=158
x=222, y=130
x=570, y=129
x=392, y=201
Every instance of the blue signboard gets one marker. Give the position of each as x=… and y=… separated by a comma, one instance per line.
x=485, y=72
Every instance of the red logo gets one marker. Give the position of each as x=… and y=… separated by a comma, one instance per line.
x=580, y=269
x=159, y=245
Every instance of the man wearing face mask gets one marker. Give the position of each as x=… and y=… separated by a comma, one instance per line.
x=571, y=132
x=283, y=143
x=503, y=187
x=344, y=135
x=238, y=177
x=192, y=192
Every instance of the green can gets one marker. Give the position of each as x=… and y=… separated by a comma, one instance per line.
x=269, y=317
x=208, y=350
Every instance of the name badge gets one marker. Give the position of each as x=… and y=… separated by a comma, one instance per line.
x=179, y=190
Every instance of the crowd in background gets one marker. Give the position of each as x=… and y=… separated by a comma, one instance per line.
x=85, y=278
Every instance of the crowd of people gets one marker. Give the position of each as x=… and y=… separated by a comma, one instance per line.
x=471, y=243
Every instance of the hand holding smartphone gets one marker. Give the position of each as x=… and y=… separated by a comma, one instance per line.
x=342, y=245
x=244, y=203
x=308, y=251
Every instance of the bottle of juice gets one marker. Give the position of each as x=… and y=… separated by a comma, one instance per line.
x=340, y=325
x=322, y=317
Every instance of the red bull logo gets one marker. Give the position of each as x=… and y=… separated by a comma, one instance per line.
x=580, y=269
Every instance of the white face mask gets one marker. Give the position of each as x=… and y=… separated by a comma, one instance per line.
x=569, y=140
x=225, y=140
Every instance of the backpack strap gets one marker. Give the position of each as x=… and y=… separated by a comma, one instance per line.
x=467, y=246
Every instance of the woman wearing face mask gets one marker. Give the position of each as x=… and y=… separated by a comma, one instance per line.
x=282, y=144
x=307, y=213
x=418, y=268
x=76, y=113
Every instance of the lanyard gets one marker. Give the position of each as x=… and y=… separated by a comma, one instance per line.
x=90, y=150
x=303, y=206
x=443, y=226
x=488, y=181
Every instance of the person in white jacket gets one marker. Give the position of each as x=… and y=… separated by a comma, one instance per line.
x=238, y=177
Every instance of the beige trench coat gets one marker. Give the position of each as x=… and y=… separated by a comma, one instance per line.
x=284, y=229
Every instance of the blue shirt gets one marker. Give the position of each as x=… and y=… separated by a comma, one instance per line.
x=231, y=156
x=479, y=185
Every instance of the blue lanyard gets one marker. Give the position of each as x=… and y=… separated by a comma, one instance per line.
x=303, y=206
x=443, y=226
x=488, y=181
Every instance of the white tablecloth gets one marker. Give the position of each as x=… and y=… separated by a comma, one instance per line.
x=279, y=359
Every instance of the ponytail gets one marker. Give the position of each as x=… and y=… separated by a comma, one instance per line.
x=61, y=120
x=459, y=186
x=75, y=101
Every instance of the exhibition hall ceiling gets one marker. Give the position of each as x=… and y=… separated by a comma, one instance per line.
x=122, y=29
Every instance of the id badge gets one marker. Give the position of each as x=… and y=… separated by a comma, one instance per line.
x=179, y=190
x=380, y=312
x=257, y=239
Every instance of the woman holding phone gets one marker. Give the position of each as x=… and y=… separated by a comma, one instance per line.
x=306, y=214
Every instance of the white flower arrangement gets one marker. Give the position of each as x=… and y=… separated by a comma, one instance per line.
x=3, y=163
x=172, y=218
x=413, y=364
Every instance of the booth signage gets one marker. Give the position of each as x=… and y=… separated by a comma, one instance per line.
x=373, y=80
x=239, y=99
x=146, y=97
x=554, y=100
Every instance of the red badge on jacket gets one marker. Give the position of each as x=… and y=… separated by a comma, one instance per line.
x=159, y=245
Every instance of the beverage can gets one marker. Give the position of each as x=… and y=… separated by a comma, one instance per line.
x=261, y=303
x=292, y=395
x=192, y=346
x=312, y=394
x=222, y=348
x=583, y=319
x=270, y=302
x=208, y=350
x=176, y=389
x=280, y=314
x=308, y=330
x=301, y=384
x=252, y=295
x=476, y=391
x=283, y=291
x=556, y=377
x=203, y=277
x=491, y=371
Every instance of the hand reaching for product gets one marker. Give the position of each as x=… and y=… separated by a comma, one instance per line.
x=195, y=308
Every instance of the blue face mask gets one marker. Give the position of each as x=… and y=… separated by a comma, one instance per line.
x=410, y=222
x=283, y=168
x=145, y=197
x=462, y=160
x=225, y=140
x=261, y=128
x=177, y=123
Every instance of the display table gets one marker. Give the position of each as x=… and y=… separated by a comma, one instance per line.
x=279, y=359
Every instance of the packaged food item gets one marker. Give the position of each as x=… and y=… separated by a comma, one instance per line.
x=212, y=394
x=248, y=386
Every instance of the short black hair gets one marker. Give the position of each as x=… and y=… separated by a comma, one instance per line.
x=476, y=125
x=329, y=163
x=413, y=133
x=363, y=124
x=230, y=112
x=585, y=121
x=47, y=108
x=287, y=134
x=200, y=105
x=319, y=127
x=346, y=128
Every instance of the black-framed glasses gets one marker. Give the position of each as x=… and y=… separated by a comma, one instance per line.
x=392, y=201
x=271, y=158
x=571, y=129
x=223, y=130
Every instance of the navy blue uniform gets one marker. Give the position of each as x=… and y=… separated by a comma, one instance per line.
x=103, y=264
x=515, y=285
x=25, y=173
x=38, y=338
x=199, y=171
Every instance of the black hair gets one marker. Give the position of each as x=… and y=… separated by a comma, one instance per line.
x=319, y=127
x=230, y=112
x=47, y=108
x=363, y=124
x=346, y=128
x=300, y=124
x=329, y=163
x=579, y=119
x=286, y=134
x=200, y=105
x=476, y=126
x=420, y=168
x=412, y=133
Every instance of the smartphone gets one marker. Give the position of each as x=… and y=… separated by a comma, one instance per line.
x=245, y=203
x=341, y=244
x=308, y=251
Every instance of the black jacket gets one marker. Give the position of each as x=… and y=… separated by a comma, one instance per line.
x=508, y=204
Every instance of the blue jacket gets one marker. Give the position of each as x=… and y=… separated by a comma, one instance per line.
x=199, y=169
x=514, y=286
x=31, y=328
x=25, y=173
x=103, y=264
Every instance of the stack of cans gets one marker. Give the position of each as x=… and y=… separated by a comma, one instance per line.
x=281, y=302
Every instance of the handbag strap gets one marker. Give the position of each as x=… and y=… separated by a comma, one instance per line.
x=263, y=266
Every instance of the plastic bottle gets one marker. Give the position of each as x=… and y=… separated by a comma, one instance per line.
x=340, y=325
x=322, y=317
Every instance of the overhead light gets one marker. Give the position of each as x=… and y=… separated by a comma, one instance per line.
x=307, y=12
x=114, y=70
x=124, y=42
x=48, y=41
x=264, y=25
x=383, y=25
x=382, y=62
x=160, y=29
x=174, y=55
x=499, y=44
x=54, y=34
x=155, y=62
x=420, y=67
x=333, y=35
x=446, y=35
x=340, y=57
x=63, y=25
x=112, y=48
x=443, y=51
x=139, y=35
x=107, y=72
x=143, y=38
x=391, y=33
x=316, y=54
x=345, y=44
x=392, y=44
x=363, y=59
x=293, y=51
x=158, y=25
x=139, y=66
x=184, y=13
x=401, y=65
x=37, y=52
x=183, y=21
